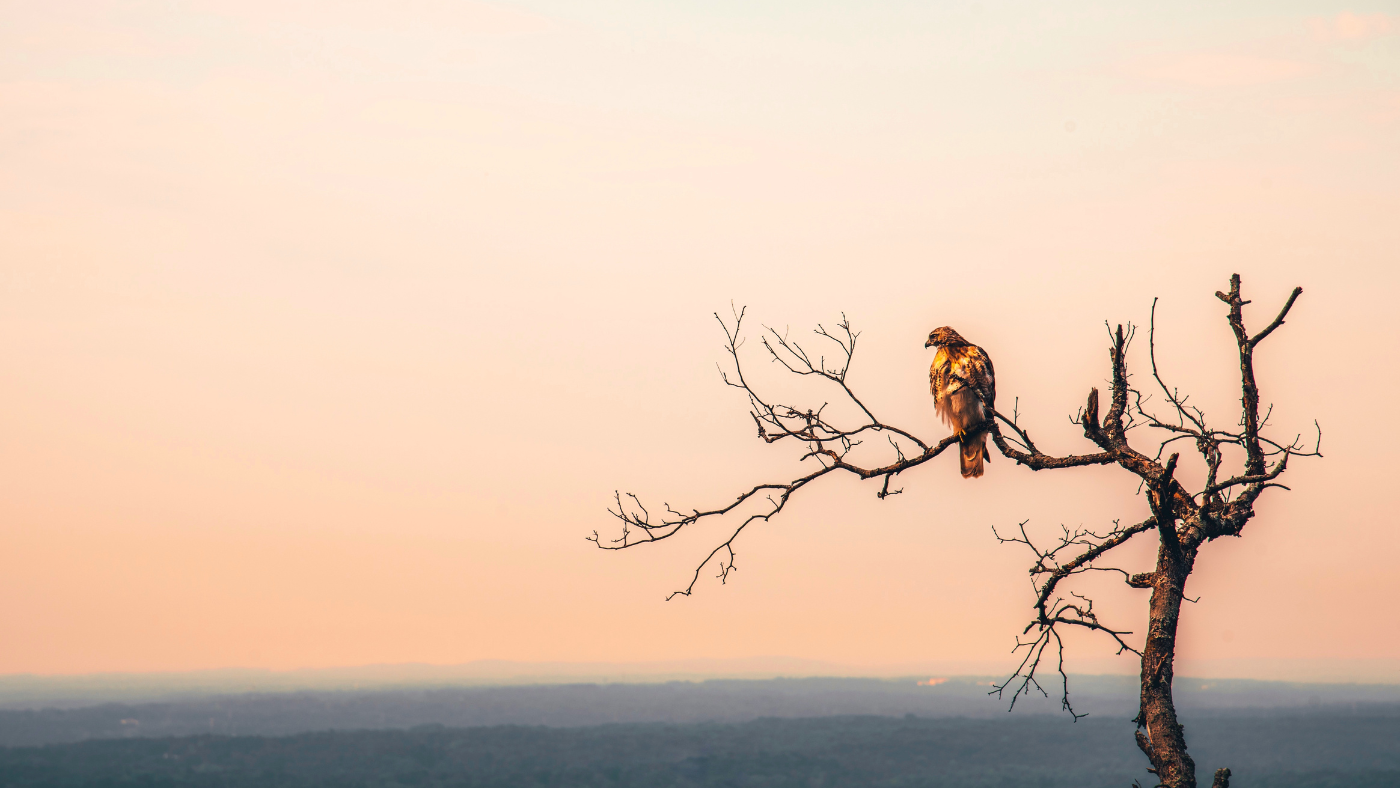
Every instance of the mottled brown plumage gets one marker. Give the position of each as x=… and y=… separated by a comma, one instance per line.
x=964, y=389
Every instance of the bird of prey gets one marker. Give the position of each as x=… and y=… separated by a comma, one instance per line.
x=964, y=393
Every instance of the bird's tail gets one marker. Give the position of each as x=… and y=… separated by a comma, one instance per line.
x=971, y=455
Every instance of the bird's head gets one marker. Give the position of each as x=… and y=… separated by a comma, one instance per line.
x=944, y=337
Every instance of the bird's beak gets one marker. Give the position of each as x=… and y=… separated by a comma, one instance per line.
x=928, y=343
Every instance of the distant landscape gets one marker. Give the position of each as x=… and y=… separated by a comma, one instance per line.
x=779, y=732
x=1296, y=750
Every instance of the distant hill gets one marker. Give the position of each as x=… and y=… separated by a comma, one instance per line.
x=1265, y=750
x=280, y=714
x=63, y=691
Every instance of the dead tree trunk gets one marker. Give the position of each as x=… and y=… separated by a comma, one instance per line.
x=1183, y=520
x=1159, y=734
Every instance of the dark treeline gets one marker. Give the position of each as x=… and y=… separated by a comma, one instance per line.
x=1273, y=749
x=593, y=704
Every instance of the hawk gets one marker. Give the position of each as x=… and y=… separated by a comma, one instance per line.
x=964, y=392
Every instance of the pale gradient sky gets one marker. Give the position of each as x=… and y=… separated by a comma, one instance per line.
x=329, y=328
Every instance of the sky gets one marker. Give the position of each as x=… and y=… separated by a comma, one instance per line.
x=329, y=329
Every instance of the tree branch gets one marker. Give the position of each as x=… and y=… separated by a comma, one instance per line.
x=1182, y=520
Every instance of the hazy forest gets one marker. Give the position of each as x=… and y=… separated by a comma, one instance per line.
x=814, y=732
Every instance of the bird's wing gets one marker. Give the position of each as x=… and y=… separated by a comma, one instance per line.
x=981, y=376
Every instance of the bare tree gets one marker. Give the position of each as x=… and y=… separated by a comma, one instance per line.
x=1182, y=520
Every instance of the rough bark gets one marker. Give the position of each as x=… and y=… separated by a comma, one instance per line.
x=1159, y=734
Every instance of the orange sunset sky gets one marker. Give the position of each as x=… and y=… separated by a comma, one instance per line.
x=328, y=329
